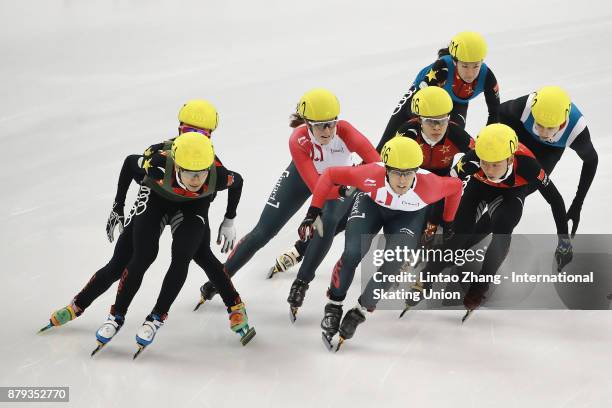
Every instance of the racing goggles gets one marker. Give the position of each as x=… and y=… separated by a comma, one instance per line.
x=201, y=174
x=436, y=122
x=322, y=125
x=401, y=173
x=187, y=128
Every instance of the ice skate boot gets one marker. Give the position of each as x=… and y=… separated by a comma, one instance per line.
x=63, y=316
x=147, y=332
x=207, y=292
x=108, y=330
x=331, y=323
x=296, y=297
x=285, y=261
x=474, y=298
x=239, y=323
x=351, y=320
x=415, y=295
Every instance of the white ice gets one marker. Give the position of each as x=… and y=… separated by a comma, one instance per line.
x=84, y=83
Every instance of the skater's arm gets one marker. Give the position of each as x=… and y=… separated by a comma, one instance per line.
x=466, y=166
x=154, y=165
x=437, y=76
x=400, y=115
x=332, y=178
x=534, y=174
x=357, y=142
x=232, y=181
x=460, y=138
x=432, y=188
x=131, y=170
x=452, y=188
x=491, y=91
x=586, y=151
x=304, y=165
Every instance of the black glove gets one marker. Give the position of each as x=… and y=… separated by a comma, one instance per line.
x=345, y=191
x=115, y=219
x=563, y=253
x=573, y=215
x=448, y=231
x=311, y=223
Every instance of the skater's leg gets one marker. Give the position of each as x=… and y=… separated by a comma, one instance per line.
x=333, y=211
x=145, y=242
x=503, y=220
x=365, y=221
x=213, y=268
x=186, y=240
x=288, y=195
x=470, y=209
x=360, y=230
x=402, y=230
x=109, y=273
x=504, y=217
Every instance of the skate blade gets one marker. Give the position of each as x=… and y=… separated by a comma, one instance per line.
x=97, y=349
x=246, y=337
x=44, y=329
x=327, y=341
x=271, y=272
x=200, y=303
x=407, y=308
x=293, y=314
x=467, y=315
x=140, y=350
x=340, y=342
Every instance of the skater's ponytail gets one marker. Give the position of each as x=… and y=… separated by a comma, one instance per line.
x=296, y=120
x=443, y=51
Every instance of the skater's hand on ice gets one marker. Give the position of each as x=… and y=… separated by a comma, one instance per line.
x=573, y=215
x=311, y=223
x=227, y=234
x=115, y=219
x=563, y=253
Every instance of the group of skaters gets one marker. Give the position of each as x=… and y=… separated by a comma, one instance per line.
x=426, y=176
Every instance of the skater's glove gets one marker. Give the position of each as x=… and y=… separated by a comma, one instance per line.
x=227, y=235
x=573, y=215
x=448, y=231
x=563, y=253
x=115, y=220
x=345, y=191
x=311, y=223
x=428, y=234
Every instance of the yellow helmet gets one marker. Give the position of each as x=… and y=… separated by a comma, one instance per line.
x=468, y=46
x=496, y=142
x=193, y=151
x=402, y=153
x=199, y=113
x=318, y=104
x=431, y=101
x=551, y=106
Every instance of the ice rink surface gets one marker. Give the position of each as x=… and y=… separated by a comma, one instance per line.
x=85, y=83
